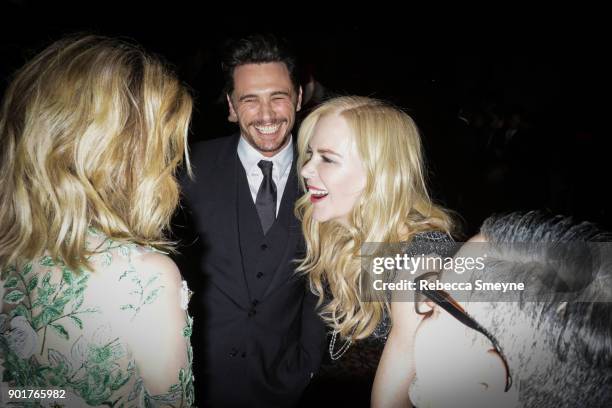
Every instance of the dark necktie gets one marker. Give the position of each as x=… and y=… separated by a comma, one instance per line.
x=266, y=196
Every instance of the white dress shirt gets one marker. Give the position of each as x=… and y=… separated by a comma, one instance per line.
x=249, y=157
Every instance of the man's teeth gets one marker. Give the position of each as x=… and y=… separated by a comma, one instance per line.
x=267, y=129
x=318, y=193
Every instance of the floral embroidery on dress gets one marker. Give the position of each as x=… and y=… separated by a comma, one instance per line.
x=91, y=363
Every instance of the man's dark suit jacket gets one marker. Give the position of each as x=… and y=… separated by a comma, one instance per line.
x=257, y=338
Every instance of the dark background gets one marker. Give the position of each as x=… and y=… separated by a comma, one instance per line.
x=546, y=72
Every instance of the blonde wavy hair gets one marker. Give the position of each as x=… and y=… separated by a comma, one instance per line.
x=91, y=132
x=394, y=206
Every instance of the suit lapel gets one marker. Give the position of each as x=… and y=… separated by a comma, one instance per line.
x=224, y=185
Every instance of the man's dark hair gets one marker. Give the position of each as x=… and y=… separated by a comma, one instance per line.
x=559, y=352
x=257, y=49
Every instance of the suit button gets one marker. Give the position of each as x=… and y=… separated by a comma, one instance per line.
x=255, y=302
x=243, y=355
x=259, y=275
x=264, y=247
x=252, y=312
x=233, y=352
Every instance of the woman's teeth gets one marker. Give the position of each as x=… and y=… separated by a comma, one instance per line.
x=318, y=193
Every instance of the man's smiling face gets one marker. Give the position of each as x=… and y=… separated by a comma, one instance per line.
x=264, y=102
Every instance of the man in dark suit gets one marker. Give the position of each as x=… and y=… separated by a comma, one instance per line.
x=257, y=337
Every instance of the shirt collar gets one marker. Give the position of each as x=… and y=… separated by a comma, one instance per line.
x=249, y=156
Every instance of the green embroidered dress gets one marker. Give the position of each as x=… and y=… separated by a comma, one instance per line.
x=71, y=331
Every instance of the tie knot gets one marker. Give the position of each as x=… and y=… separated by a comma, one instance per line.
x=266, y=167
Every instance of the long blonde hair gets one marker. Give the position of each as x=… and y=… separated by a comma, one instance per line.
x=395, y=205
x=91, y=133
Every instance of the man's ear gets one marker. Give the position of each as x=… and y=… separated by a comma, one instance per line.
x=299, y=99
x=232, y=117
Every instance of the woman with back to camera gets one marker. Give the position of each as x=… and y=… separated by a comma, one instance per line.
x=362, y=168
x=91, y=133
